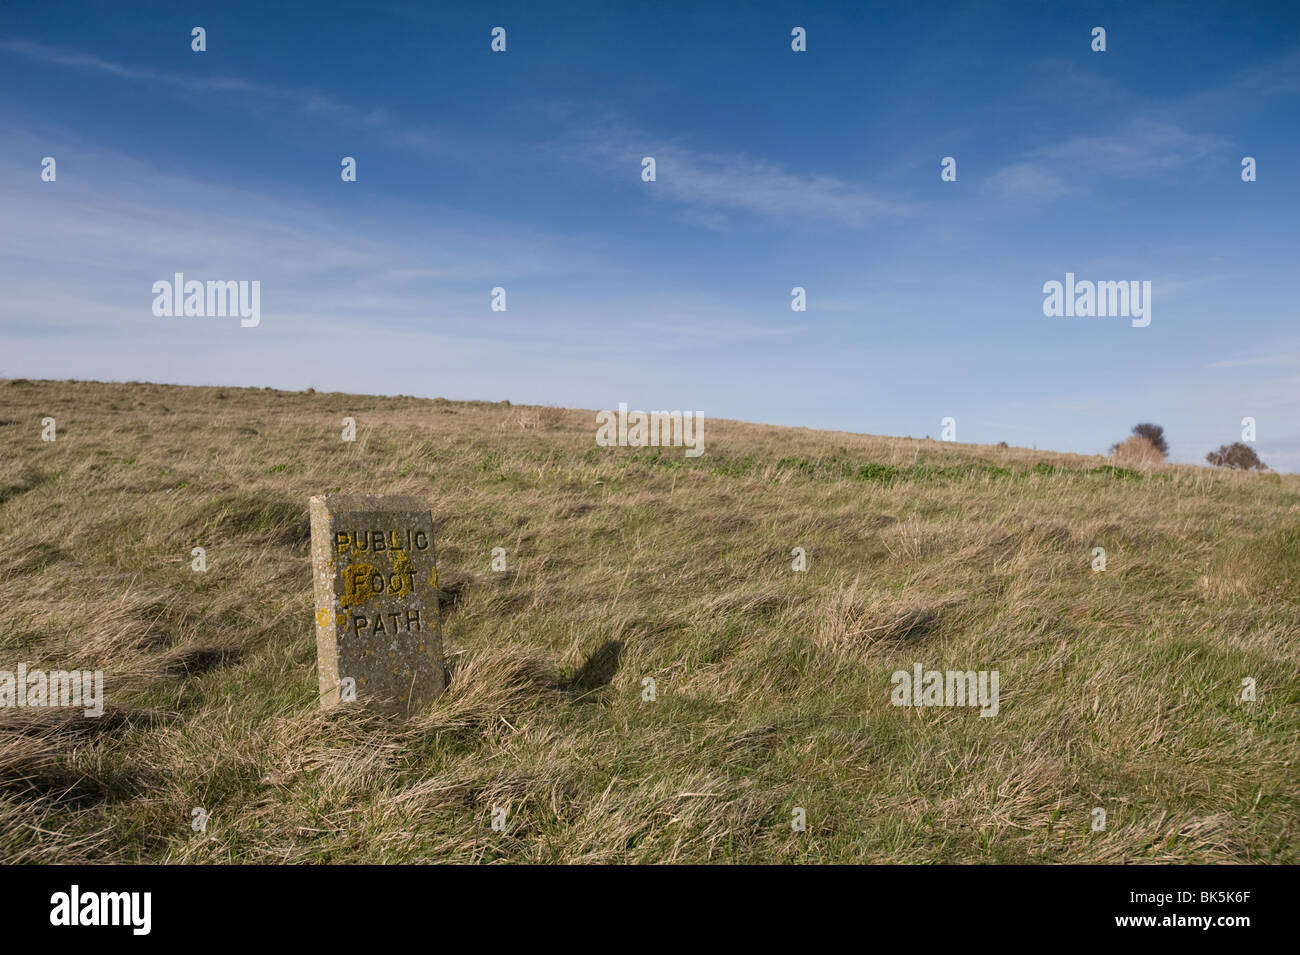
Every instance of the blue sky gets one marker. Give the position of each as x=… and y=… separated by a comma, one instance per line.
x=775, y=169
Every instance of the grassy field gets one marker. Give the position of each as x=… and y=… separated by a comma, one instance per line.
x=1119, y=689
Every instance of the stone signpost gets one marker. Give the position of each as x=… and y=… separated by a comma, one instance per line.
x=376, y=589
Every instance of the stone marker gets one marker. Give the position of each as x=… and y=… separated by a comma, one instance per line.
x=376, y=584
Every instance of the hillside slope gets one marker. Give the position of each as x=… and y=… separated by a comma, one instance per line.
x=1119, y=689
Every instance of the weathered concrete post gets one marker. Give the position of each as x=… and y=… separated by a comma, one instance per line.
x=376, y=588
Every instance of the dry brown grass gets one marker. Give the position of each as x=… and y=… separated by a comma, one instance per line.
x=1119, y=689
x=1137, y=452
x=545, y=418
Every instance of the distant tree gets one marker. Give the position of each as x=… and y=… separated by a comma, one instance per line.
x=1240, y=457
x=1155, y=434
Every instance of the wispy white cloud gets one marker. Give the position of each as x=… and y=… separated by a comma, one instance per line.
x=1140, y=145
x=710, y=187
x=1029, y=179
x=712, y=181
x=1250, y=88
x=308, y=101
x=1139, y=149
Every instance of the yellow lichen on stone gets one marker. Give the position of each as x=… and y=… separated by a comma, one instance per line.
x=356, y=585
x=402, y=580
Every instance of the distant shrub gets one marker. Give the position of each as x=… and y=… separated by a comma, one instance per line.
x=1153, y=433
x=1138, y=451
x=1238, y=456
